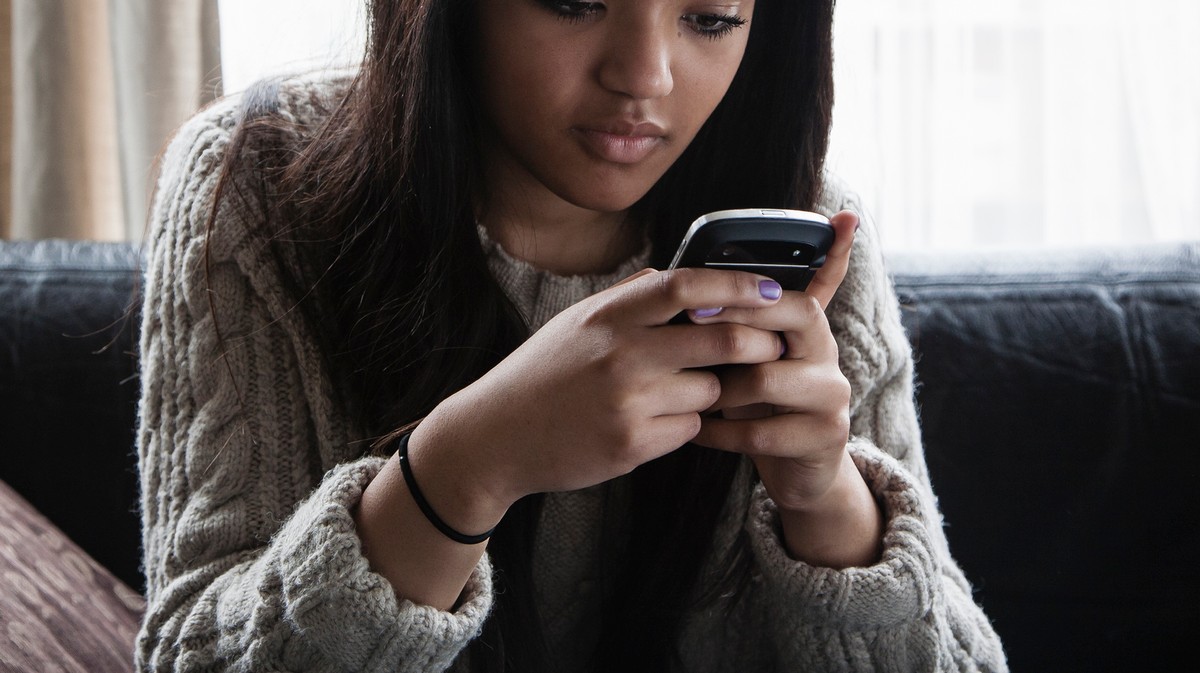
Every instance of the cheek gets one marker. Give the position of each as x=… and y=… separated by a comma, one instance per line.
x=703, y=83
x=529, y=82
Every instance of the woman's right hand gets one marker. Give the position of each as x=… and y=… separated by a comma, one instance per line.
x=605, y=386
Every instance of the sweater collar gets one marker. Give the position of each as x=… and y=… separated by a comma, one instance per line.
x=539, y=294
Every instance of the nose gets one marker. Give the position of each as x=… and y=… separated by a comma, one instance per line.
x=637, y=62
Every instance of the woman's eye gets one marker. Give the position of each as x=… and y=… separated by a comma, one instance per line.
x=714, y=25
x=573, y=10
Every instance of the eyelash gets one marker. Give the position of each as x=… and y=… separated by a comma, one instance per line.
x=724, y=24
x=573, y=11
x=577, y=11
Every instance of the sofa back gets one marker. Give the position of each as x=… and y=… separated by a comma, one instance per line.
x=69, y=389
x=1060, y=409
x=1059, y=397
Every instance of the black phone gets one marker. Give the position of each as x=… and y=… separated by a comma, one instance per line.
x=787, y=246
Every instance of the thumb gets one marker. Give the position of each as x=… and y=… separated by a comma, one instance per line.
x=829, y=277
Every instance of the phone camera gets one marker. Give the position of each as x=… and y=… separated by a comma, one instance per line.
x=731, y=252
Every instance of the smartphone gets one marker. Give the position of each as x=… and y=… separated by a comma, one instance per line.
x=787, y=246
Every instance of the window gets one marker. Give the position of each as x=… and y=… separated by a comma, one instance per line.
x=965, y=124
x=265, y=37
x=983, y=124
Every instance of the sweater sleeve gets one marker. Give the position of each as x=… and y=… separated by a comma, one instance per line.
x=913, y=610
x=247, y=476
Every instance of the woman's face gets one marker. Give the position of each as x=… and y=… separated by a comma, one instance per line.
x=591, y=102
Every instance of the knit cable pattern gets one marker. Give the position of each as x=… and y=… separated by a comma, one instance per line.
x=250, y=468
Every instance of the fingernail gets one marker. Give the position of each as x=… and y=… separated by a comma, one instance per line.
x=782, y=345
x=769, y=289
x=706, y=312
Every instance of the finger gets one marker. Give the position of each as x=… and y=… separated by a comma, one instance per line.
x=671, y=432
x=691, y=346
x=830, y=276
x=790, y=386
x=654, y=299
x=686, y=391
x=798, y=317
x=793, y=311
x=784, y=436
x=747, y=412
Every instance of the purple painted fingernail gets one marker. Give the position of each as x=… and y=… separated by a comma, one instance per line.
x=769, y=289
x=706, y=312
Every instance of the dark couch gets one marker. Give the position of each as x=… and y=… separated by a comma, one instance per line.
x=1060, y=399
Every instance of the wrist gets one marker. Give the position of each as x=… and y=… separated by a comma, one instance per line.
x=400, y=542
x=841, y=528
x=454, y=483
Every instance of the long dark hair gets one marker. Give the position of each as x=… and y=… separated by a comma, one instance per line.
x=375, y=213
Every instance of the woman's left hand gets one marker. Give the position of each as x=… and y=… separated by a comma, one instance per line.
x=792, y=417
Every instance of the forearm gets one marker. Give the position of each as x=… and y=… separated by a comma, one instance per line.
x=306, y=600
x=903, y=613
x=841, y=530
x=422, y=564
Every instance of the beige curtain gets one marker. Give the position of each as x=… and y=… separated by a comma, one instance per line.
x=97, y=87
x=5, y=120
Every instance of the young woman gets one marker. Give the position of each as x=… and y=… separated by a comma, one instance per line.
x=390, y=312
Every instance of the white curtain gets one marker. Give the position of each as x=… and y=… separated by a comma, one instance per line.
x=966, y=124
x=260, y=38
x=97, y=86
x=1021, y=123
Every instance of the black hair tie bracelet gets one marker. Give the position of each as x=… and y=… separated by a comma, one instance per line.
x=426, y=509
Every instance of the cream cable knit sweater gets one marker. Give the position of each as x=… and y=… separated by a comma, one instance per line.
x=252, y=560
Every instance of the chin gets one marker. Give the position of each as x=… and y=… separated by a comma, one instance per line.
x=608, y=193
x=605, y=203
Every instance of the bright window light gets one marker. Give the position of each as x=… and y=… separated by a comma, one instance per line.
x=270, y=37
x=964, y=124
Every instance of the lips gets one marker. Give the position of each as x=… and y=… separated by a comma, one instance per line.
x=622, y=142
